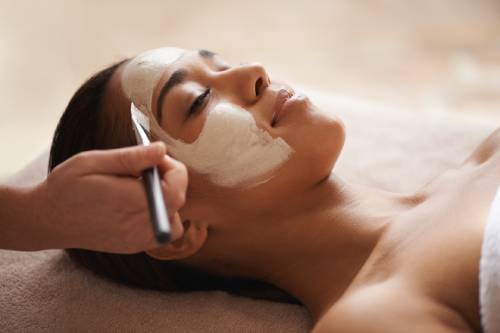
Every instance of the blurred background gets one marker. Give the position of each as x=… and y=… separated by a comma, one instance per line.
x=422, y=56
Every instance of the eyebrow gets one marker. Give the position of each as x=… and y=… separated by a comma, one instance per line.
x=206, y=54
x=175, y=79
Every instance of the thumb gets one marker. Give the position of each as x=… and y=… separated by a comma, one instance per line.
x=129, y=161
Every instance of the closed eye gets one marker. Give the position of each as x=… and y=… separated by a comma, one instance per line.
x=198, y=102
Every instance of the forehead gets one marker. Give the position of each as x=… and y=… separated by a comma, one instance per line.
x=141, y=74
x=187, y=63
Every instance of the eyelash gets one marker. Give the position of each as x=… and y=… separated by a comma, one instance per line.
x=198, y=102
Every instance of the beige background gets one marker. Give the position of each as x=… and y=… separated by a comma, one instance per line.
x=423, y=56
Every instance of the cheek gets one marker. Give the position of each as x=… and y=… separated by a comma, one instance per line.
x=193, y=127
x=232, y=150
x=318, y=144
x=183, y=129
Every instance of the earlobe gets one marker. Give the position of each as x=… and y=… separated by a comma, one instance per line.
x=193, y=238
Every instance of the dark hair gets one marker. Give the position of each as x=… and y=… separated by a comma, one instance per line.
x=82, y=127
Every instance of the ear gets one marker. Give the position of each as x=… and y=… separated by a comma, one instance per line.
x=192, y=240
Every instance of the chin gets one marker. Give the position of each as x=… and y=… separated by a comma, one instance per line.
x=329, y=147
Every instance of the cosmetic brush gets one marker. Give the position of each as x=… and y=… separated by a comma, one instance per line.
x=152, y=181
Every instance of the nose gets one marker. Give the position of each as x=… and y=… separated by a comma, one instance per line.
x=245, y=82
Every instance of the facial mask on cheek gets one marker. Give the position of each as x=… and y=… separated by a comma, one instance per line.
x=230, y=149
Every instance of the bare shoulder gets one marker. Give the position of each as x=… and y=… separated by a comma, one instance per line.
x=488, y=148
x=380, y=309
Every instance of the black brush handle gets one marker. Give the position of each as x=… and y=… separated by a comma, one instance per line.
x=157, y=208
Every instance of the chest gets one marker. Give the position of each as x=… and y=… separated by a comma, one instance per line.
x=433, y=251
x=427, y=272
x=443, y=246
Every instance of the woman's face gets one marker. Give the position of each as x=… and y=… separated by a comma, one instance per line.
x=189, y=86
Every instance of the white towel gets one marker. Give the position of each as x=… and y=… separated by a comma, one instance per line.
x=489, y=274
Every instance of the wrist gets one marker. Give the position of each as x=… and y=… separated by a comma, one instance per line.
x=42, y=223
x=35, y=220
x=17, y=218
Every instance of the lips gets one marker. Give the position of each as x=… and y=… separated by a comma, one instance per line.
x=278, y=110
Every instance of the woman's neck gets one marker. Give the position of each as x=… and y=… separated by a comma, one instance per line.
x=321, y=241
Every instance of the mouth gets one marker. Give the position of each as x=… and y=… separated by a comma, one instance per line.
x=279, y=111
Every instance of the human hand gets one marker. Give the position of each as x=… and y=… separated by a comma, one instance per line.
x=96, y=201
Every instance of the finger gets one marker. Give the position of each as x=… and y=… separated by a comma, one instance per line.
x=132, y=191
x=129, y=161
x=134, y=194
x=174, y=173
x=168, y=163
x=176, y=232
x=176, y=228
x=174, y=186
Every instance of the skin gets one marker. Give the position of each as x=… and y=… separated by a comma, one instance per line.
x=93, y=200
x=359, y=258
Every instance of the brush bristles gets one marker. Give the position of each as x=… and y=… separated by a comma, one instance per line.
x=141, y=118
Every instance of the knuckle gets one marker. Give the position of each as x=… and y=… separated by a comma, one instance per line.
x=81, y=159
x=124, y=160
x=176, y=165
x=76, y=164
x=181, y=168
x=142, y=153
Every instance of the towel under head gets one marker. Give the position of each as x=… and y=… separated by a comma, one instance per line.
x=489, y=274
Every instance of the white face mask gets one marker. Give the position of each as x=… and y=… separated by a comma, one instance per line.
x=141, y=75
x=231, y=150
